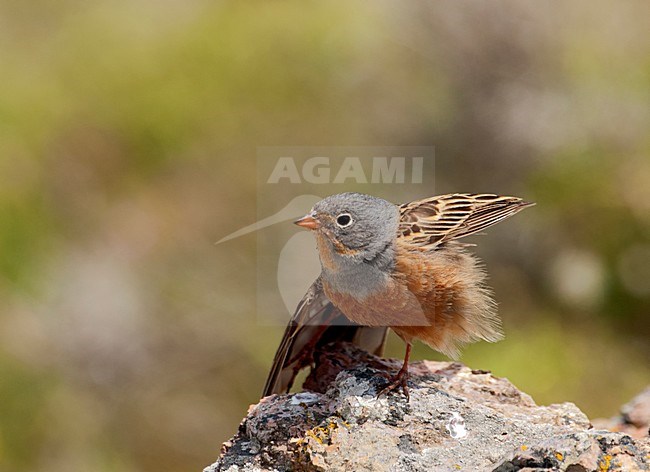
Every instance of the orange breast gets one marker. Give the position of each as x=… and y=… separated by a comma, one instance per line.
x=392, y=305
x=437, y=297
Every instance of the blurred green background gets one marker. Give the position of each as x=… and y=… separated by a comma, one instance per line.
x=128, y=136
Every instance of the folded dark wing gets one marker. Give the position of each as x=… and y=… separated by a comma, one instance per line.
x=316, y=322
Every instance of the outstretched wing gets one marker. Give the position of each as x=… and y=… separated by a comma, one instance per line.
x=316, y=322
x=433, y=221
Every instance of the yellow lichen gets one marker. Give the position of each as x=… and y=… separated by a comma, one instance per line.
x=524, y=447
x=559, y=456
x=605, y=463
x=322, y=434
x=314, y=436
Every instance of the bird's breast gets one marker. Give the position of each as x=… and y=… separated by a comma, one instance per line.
x=373, y=300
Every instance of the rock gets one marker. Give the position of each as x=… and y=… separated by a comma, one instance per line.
x=457, y=419
x=634, y=418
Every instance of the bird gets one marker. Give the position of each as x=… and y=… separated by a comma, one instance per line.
x=399, y=267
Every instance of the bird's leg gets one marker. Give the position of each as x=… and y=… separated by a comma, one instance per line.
x=400, y=379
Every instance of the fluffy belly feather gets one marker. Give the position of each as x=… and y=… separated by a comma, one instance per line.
x=439, y=298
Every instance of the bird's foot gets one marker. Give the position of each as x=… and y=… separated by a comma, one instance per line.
x=399, y=380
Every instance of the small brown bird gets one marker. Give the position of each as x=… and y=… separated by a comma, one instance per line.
x=393, y=266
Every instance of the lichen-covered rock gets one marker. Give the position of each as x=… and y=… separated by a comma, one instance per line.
x=457, y=419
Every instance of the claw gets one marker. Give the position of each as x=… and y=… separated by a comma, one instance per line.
x=399, y=380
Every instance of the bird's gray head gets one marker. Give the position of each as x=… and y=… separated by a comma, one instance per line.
x=359, y=227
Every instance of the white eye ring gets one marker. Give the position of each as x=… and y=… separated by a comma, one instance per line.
x=344, y=220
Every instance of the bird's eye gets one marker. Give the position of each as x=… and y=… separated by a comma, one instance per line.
x=343, y=220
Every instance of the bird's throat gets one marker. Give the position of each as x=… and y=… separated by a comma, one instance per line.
x=352, y=275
